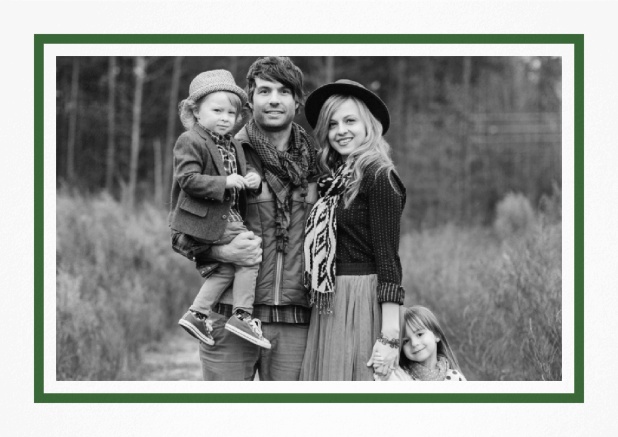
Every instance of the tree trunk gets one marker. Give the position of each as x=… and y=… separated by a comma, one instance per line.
x=140, y=73
x=467, y=81
x=518, y=69
x=111, y=124
x=158, y=171
x=428, y=88
x=73, y=107
x=329, y=69
x=465, y=197
x=399, y=112
x=234, y=67
x=172, y=116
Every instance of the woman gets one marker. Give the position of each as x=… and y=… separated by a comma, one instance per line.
x=352, y=266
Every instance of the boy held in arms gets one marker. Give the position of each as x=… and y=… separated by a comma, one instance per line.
x=208, y=194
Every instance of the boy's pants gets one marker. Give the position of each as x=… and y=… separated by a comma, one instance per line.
x=244, y=279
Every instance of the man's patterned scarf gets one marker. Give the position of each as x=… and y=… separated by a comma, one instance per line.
x=321, y=239
x=284, y=171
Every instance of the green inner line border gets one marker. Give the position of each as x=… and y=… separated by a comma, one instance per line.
x=576, y=40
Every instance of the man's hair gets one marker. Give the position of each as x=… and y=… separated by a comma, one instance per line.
x=276, y=68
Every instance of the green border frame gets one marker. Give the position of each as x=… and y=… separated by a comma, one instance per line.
x=576, y=40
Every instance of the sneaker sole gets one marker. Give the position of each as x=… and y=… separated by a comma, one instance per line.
x=247, y=337
x=195, y=332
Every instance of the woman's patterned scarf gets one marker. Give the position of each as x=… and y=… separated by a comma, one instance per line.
x=284, y=171
x=321, y=239
x=422, y=373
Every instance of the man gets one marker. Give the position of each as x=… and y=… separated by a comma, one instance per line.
x=285, y=157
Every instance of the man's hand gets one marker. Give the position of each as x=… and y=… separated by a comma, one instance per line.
x=244, y=250
x=252, y=181
x=235, y=181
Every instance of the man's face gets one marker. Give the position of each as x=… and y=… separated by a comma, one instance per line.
x=273, y=106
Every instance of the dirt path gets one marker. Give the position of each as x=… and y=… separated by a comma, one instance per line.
x=175, y=358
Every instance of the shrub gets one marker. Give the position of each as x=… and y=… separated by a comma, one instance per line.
x=550, y=206
x=118, y=285
x=514, y=216
x=524, y=302
x=499, y=302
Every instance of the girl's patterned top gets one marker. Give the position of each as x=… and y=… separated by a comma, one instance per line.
x=401, y=375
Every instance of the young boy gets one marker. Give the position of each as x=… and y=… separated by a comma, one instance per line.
x=210, y=176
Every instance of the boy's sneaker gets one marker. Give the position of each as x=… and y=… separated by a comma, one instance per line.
x=249, y=329
x=198, y=328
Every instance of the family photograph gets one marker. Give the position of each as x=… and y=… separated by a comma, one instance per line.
x=309, y=218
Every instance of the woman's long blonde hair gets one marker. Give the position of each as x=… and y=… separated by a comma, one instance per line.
x=374, y=150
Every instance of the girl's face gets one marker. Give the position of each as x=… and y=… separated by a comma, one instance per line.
x=346, y=129
x=216, y=113
x=421, y=346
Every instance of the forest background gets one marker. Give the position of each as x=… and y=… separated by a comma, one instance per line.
x=476, y=140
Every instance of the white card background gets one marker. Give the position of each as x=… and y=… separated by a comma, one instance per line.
x=23, y=19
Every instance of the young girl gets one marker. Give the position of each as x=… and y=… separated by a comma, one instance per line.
x=352, y=266
x=208, y=192
x=426, y=354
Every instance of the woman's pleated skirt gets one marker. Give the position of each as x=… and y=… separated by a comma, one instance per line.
x=340, y=344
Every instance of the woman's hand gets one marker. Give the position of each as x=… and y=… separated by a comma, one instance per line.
x=388, y=355
x=383, y=359
x=377, y=361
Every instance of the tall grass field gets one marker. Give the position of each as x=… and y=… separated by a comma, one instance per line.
x=119, y=285
x=496, y=291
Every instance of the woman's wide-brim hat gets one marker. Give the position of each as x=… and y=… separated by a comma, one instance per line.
x=213, y=81
x=346, y=87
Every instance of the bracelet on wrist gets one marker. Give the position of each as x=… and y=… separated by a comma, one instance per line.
x=392, y=342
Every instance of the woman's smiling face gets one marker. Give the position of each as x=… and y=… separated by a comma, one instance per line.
x=346, y=129
x=421, y=346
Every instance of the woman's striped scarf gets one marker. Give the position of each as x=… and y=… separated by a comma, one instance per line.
x=321, y=239
x=283, y=172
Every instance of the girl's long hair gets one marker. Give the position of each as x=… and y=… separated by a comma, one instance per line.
x=188, y=106
x=418, y=317
x=373, y=151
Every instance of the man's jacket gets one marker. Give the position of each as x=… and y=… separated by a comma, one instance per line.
x=280, y=278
